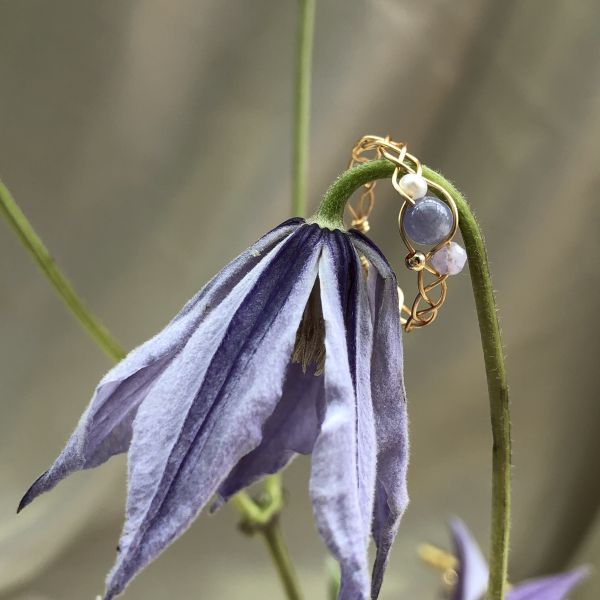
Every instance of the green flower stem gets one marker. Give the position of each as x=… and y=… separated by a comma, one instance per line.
x=268, y=524
x=495, y=370
x=281, y=558
x=330, y=214
x=306, y=20
x=25, y=232
x=264, y=518
x=333, y=205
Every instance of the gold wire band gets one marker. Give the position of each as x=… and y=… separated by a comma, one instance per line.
x=424, y=308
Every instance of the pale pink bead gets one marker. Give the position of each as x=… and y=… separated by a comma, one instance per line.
x=449, y=259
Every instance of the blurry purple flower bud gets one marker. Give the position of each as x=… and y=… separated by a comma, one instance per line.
x=473, y=572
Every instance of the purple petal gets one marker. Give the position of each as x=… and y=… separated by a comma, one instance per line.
x=209, y=406
x=343, y=461
x=389, y=403
x=548, y=588
x=472, y=570
x=292, y=429
x=105, y=428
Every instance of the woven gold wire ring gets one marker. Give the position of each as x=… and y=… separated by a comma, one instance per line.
x=439, y=258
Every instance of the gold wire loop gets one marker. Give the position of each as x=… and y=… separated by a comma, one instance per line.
x=425, y=306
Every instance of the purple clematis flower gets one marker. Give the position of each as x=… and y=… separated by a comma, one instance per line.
x=473, y=574
x=292, y=348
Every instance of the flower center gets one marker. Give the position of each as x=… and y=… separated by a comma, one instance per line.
x=309, y=348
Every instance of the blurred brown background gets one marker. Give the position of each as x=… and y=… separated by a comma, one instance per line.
x=148, y=140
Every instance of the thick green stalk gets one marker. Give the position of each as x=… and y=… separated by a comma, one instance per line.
x=330, y=214
x=304, y=46
x=264, y=518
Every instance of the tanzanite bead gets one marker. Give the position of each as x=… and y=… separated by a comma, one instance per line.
x=428, y=221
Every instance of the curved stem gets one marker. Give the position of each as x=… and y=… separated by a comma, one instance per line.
x=330, y=214
x=265, y=518
x=304, y=45
x=495, y=369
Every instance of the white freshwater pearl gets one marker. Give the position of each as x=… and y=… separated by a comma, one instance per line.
x=413, y=185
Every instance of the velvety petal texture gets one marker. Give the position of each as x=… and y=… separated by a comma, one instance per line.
x=291, y=430
x=389, y=406
x=344, y=456
x=473, y=573
x=207, y=409
x=106, y=426
x=215, y=402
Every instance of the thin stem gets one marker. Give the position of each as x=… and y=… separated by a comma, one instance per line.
x=306, y=20
x=25, y=232
x=330, y=214
x=264, y=518
x=281, y=559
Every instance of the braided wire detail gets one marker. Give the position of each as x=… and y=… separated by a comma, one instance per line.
x=426, y=305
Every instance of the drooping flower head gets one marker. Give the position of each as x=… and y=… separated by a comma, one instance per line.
x=293, y=348
x=473, y=574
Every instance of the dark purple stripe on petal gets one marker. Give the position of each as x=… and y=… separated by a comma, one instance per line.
x=347, y=269
x=105, y=428
x=177, y=467
x=375, y=256
x=235, y=270
x=341, y=485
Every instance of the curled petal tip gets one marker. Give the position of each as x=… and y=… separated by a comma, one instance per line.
x=32, y=493
x=23, y=503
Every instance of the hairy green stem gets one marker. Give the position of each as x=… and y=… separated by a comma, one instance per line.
x=264, y=517
x=330, y=214
x=304, y=46
x=495, y=369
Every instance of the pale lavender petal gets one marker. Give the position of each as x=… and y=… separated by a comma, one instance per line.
x=365, y=421
x=555, y=587
x=344, y=450
x=389, y=403
x=292, y=429
x=208, y=408
x=472, y=569
x=105, y=428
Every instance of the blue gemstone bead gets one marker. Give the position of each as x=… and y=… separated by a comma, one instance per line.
x=428, y=221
